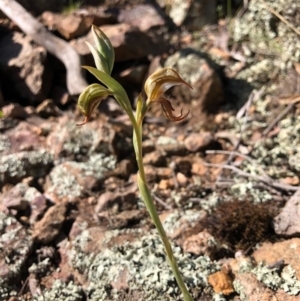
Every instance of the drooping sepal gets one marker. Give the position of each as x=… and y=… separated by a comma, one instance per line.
x=90, y=99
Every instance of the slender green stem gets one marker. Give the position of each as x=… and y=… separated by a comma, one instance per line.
x=147, y=198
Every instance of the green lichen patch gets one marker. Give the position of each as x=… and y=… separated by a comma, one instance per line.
x=15, y=246
x=72, y=179
x=266, y=34
x=275, y=280
x=144, y=263
x=15, y=167
x=61, y=291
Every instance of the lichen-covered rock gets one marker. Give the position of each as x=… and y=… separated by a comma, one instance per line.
x=24, y=136
x=140, y=264
x=73, y=142
x=265, y=33
x=19, y=197
x=70, y=180
x=207, y=91
x=15, y=245
x=15, y=167
x=61, y=291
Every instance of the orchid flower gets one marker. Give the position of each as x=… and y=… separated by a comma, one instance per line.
x=157, y=84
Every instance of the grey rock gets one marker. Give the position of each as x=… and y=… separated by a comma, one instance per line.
x=288, y=221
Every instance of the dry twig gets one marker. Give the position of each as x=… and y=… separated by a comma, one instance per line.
x=262, y=179
x=274, y=12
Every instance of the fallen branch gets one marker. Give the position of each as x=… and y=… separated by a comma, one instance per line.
x=56, y=46
x=262, y=179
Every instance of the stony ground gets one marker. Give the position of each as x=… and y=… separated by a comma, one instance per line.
x=225, y=180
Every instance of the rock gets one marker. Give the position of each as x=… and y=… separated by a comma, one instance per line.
x=287, y=250
x=70, y=26
x=200, y=244
x=143, y=16
x=14, y=110
x=124, y=168
x=38, y=207
x=250, y=289
x=181, y=179
x=101, y=15
x=48, y=228
x=68, y=140
x=193, y=14
x=47, y=109
x=16, y=244
x=15, y=167
x=135, y=74
x=129, y=43
x=155, y=158
x=148, y=146
x=221, y=283
x=124, y=201
x=19, y=197
x=70, y=180
x=198, y=142
x=287, y=222
x=22, y=137
x=170, y=146
x=198, y=168
x=25, y=64
x=207, y=91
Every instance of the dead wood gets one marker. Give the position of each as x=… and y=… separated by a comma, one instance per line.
x=56, y=46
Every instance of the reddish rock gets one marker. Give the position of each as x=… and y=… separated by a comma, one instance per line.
x=124, y=201
x=19, y=197
x=25, y=64
x=252, y=290
x=47, y=109
x=24, y=137
x=181, y=179
x=287, y=250
x=155, y=158
x=70, y=26
x=221, y=283
x=14, y=110
x=200, y=244
x=129, y=43
x=198, y=142
x=48, y=228
x=143, y=16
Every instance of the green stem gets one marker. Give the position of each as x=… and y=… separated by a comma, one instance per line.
x=147, y=198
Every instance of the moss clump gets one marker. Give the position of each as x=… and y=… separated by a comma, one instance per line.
x=241, y=224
